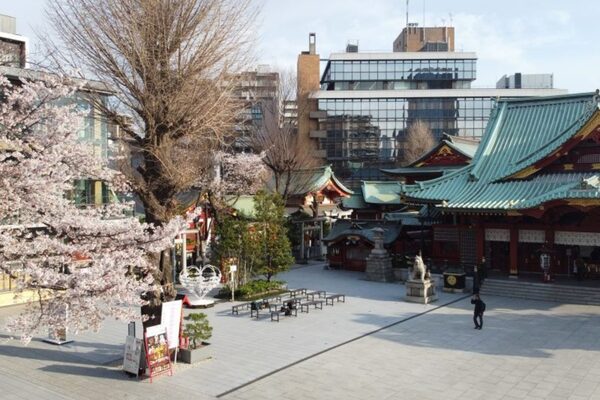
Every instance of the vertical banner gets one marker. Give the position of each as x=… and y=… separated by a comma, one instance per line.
x=171, y=320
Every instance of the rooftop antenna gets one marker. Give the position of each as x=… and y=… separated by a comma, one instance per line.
x=451, y=18
x=424, y=3
x=407, y=14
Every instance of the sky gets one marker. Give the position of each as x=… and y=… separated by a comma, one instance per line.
x=528, y=36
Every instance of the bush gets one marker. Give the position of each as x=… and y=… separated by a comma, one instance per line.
x=198, y=330
x=252, y=289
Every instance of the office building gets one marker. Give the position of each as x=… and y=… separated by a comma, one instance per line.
x=356, y=116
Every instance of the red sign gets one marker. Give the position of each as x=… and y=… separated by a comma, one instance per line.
x=157, y=351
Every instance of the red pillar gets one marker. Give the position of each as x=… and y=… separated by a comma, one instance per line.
x=514, y=248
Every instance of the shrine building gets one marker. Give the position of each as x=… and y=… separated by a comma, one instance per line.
x=532, y=187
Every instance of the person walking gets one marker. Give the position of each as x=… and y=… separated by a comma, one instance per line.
x=478, y=311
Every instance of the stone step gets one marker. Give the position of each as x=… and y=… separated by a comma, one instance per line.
x=541, y=286
x=538, y=294
x=553, y=299
x=541, y=291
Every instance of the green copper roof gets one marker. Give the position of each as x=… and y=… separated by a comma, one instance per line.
x=381, y=192
x=364, y=229
x=311, y=180
x=244, y=205
x=519, y=133
x=466, y=147
x=354, y=202
x=434, y=169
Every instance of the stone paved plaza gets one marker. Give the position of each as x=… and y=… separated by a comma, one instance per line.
x=375, y=346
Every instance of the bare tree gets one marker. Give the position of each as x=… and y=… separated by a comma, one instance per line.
x=277, y=137
x=419, y=140
x=171, y=63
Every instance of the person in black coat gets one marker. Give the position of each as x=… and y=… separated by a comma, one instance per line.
x=478, y=311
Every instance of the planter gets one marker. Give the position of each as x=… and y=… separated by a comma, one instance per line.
x=192, y=356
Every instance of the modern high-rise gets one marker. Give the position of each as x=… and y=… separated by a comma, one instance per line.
x=257, y=90
x=356, y=116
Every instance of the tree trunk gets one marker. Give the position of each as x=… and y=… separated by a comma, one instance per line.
x=164, y=272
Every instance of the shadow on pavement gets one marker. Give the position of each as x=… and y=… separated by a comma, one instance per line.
x=531, y=329
x=35, y=351
x=95, y=372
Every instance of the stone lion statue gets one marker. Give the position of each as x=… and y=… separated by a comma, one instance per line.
x=419, y=269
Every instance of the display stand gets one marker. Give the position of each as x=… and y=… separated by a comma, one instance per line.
x=132, y=355
x=60, y=336
x=158, y=357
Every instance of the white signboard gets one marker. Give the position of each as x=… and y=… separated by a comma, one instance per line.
x=171, y=319
x=577, y=238
x=132, y=355
x=497, y=235
x=233, y=268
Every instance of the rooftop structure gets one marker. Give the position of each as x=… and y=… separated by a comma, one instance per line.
x=526, y=81
x=415, y=38
x=13, y=47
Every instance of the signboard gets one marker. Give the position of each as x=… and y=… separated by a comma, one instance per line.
x=157, y=351
x=132, y=355
x=58, y=335
x=171, y=320
x=233, y=268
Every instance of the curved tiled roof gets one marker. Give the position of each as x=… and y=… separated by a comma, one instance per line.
x=381, y=192
x=310, y=180
x=364, y=229
x=519, y=133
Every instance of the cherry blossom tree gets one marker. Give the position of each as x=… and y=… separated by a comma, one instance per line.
x=91, y=260
x=241, y=173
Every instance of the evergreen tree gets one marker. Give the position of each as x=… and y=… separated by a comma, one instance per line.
x=270, y=233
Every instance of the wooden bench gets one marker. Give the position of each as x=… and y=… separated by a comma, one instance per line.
x=277, y=306
x=236, y=309
x=317, y=303
x=296, y=292
x=258, y=307
x=270, y=299
x=338, y=297
x=277, y=313
x=311, y=295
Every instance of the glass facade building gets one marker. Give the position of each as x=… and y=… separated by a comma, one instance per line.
x=399, y=74
x=368, y=101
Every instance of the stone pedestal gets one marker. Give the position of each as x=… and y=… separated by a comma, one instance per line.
x=379, y=267
x=418, y=291
x=379, y=262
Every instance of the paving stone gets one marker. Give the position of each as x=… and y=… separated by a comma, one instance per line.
x=528, y=349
